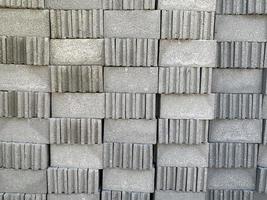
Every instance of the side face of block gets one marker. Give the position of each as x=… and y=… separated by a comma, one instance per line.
x=132, y=24
x=73, y=196
x=259, y=196
x=262, y=160
x=162, y=195
x=70, y=4
x=202, y=5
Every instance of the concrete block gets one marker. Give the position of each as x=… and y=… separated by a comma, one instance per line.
x=261, y=180
x=132, y=131
x=129, y=180
x=132, y=79
x=70, y=4
x=202, y=5
x=124, y=195
x=258, y=196
x=79, y=156
x=22, y=196
x=24, y=130
x=163, y=195
x=132, y=24
x=231, y=194
x=77, y=52
x=262, y=160
x=247, y=131
x=23, y=181
x=234, y=27
x=233, y=179
x=193, y=155
x=187, y=53
x=20, y=22
x=187, y=106
x=264, y=111
x=73, y=196
x=78, y=105
x=33, y=4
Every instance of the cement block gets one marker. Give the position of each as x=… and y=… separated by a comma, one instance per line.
x=258, y=196
x=187, y=106
x=23, y=181
x=77, y=52
x=80, y=156
x=237, y=81
x=131, y=131
x=232, y=179
x=262, y=159
x=32, y=4
x=230, y=194
x=187, y=53
x=23, y=22
x=132, y=24
x=78, y=105
x=264, y=110
x=163, y=195
x=73, y=197
x=249, y=131
x=70, y=4
x=193, y=155
x=132, y=79
x=129, y=180
x=124, y=195
x=201, y=5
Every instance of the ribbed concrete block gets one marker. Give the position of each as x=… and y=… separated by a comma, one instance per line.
x=204, y=5
x=163, y=195
x=230, y=195
x=70, y=4
x=124, y=195
x=129, y=4
x=73, y=196
x=33, y=4
x=22, y=196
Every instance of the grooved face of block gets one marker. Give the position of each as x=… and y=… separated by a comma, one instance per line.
x=202, y=5
x=128, y=180
x=162, y=195
x=24, y=22
x=132, y=24
x=73, y=197
x=73, y=4
x=262, y=160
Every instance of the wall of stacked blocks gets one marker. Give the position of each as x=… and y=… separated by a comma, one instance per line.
x=133, y=100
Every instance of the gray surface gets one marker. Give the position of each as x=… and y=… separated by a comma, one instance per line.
x=73, y=4
x=170, y=195
x=262, y=159
x=73, y=197
x=204, y=5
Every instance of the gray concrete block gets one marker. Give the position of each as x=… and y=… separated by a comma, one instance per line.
x=187, y=53
x=203, y=5
x=129, y=4
x=77, y=52
x=261, y=185
x=187, y=106
x=27, y=78
x=244, y=179
x=131, y=131
x=230, y=194
x=262, y=160
x=193, y=155
x=129, y=180
x=247, y=131
x=78, y=105
x=24, y=130
x=124, y=195
x=170, y=195
x=264, y=111
x=33, y=4
x=79, y=156
x=132, y=24
x=70, y=4
x=20, y=22
x=237, y=81
x=22, y=196
x=234, y=27
x=132, y=79
x=23, y=181
x=73, y=196
x=258, y=196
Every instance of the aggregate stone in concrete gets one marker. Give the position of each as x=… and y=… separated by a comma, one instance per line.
x=237, y=81
x=131, y=79
x=23, y=181
x=187, y=53
x=187, y=106
x=78, y=105
x=24, y=130
x=130, y=131
x=73, y=4
x=132, y=24
x=169, y=195
x=231, y=179
x=78, y=156
x=201, y=5
x=23, y=77
x=129, y=180
x=241, y=27
x=24, y=22
x=73, y=197
x=262, y=158
x=248, y=131
x=77, y=52
x=183, y=155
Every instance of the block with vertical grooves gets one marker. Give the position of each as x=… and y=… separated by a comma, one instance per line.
x=22, y=4
x=22, y=196
x=230, y=195
x=123, y=195
x=129, y=4
x=261, y=185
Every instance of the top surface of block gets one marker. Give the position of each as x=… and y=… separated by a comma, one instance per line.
x=73, y=4
x=202, y=5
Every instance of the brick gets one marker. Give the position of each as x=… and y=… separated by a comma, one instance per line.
x=79, y=156
x=124, y=195
x=163, y=195
x=193, y=155
x=70, y=4
x=25, y=4
x=231, y=194
x=132, y=79
x=21, y=22
x=78, y=105
x=128, y=180
x=23, y=181
x=187, y=53
x=129, y=4
x=77, y=52
x=187, y=106
x=132, y=24
x=73, y=196
x=262, y=159
x=132, y=131
x=203, y=5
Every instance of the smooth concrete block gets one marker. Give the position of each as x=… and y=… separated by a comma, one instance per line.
x=183, y=155
x=132, y=24
x=199, y=5
x=78, y=105
x=78, y=156
x=24, y=77
x=264, y=107
x=248, y=131
x=130, y=131
x=77, y=52
x=73, y=4
x=187, y=106
x=129, y=180
x=241, y=28
x=187, y=53
x=24, y=130
x=232, y=179
x=24, y=22
x=170, y=195
x=73, y=197
x=23, y=181
x=262, y=159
